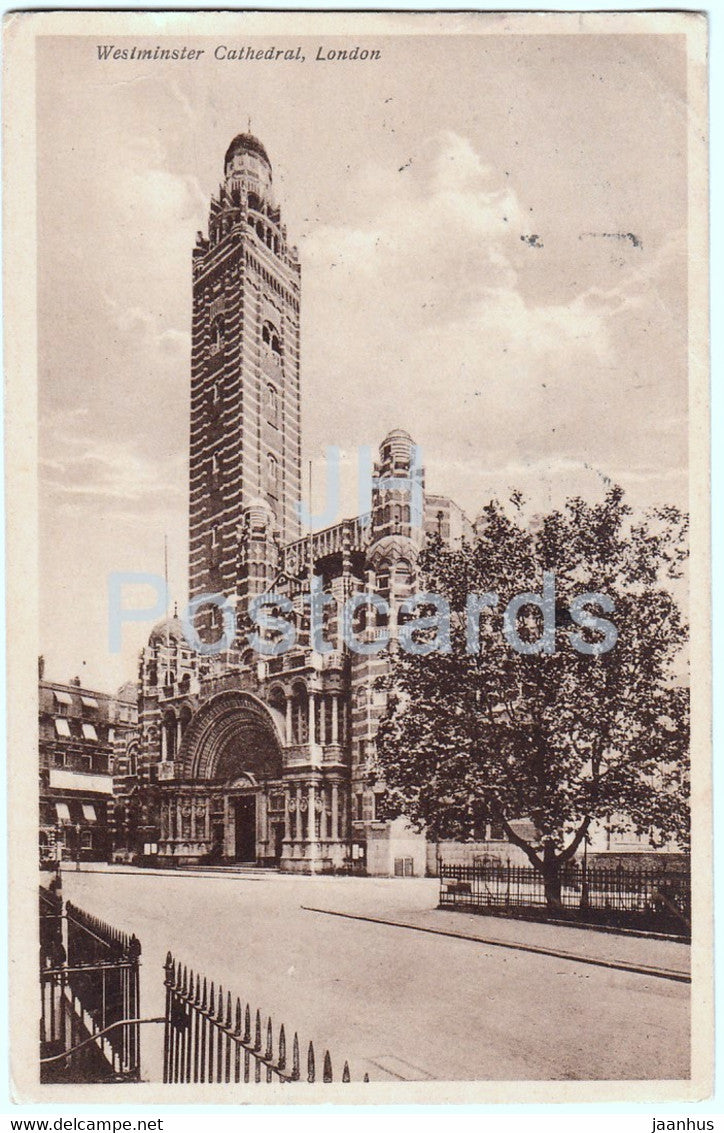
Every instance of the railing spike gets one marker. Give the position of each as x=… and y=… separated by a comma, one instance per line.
x=204, y=1000
x=296, y=1072
x=220, y=1008
x=282, y=1061
x=185, y=981
x=269, y=1040
x=237, y=1018
x=327, y=1069
x=310, y=1063
x=228, y=1011
x=345, y=1072
x=212, y=998
x=257, y=1031
x=247, y=1024
x=197, y=991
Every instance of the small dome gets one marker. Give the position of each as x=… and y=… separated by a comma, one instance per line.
x=167, y=630
x=397, y=435
x=256, y=503
x=246, y=143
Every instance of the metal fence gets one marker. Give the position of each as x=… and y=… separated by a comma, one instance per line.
x=648, y=899
x=89, y=990
x=208, y=1038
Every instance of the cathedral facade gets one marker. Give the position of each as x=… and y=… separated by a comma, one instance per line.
x=247, y=756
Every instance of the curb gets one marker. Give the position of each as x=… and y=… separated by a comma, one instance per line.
x=636, y=969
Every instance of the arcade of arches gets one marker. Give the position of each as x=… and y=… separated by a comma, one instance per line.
x=245, y=789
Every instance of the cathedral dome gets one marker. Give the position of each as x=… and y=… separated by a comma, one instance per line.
x=167, y=630
x=246, y=143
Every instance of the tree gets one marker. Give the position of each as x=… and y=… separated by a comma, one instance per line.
x=560, y=737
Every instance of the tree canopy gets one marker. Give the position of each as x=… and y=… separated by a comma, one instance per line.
x=558, y=736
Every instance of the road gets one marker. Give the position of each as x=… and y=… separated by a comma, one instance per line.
x=397, y=1003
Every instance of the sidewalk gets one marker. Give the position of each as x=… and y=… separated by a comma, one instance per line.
x=658, y=958
x=410, y=905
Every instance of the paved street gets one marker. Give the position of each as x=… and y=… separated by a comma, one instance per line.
x=397, y=1002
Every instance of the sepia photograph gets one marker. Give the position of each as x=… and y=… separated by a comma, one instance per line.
x=357, y=451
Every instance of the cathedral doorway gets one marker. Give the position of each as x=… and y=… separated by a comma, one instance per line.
x=245, y=828
x=278, y=833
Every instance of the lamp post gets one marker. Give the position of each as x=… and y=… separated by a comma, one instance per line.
x=77, y=847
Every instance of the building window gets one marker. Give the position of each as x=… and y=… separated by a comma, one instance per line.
x=63, y=812
x=217, y=335
x=272, y=475
x=270, y=337
x=272, y=405
x=63, y=702
x=358, y=807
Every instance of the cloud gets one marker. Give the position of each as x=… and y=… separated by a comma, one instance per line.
x=434, y=315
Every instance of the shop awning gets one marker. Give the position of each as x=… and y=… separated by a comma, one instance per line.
x=89, y=702
x=89, y=732
x=62, y=697
x=89, y=813
x=62, y=811
x=62, y=728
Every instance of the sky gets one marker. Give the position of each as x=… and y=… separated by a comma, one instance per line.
x=492, y=232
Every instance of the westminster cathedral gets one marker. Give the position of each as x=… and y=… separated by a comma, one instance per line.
x=245, y=757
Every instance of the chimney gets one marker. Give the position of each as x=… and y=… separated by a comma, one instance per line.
x=41, y=667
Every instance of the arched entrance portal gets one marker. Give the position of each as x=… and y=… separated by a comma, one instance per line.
x=230, y=802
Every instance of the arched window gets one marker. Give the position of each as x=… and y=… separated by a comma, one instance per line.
x=270, y=337
x=272, y=475
x=217, y=335
x=272, y=405
x=185, y=718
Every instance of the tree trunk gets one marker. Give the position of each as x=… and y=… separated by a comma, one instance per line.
x=551, y=870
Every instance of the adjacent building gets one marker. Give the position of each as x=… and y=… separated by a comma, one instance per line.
x=83, y=735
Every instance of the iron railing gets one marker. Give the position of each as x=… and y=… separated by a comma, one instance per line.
x=208, y=1038
x=648, y=899
x=91, y=994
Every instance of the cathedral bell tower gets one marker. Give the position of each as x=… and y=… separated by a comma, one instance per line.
x=245, y=444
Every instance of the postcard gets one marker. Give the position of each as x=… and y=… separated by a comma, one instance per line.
x=358, y=557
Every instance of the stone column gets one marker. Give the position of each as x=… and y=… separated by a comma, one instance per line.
x=207, y=819
x=323, y=825
x=164, y=741
x=289, y=720
x=287, y=821
x=322, y=719
x=262, y=831
x=179, y=735
x=312, y=728
x=335, y=812
x=310, y=813
x=179, y=822
x=298, y=830
x=335, y=718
